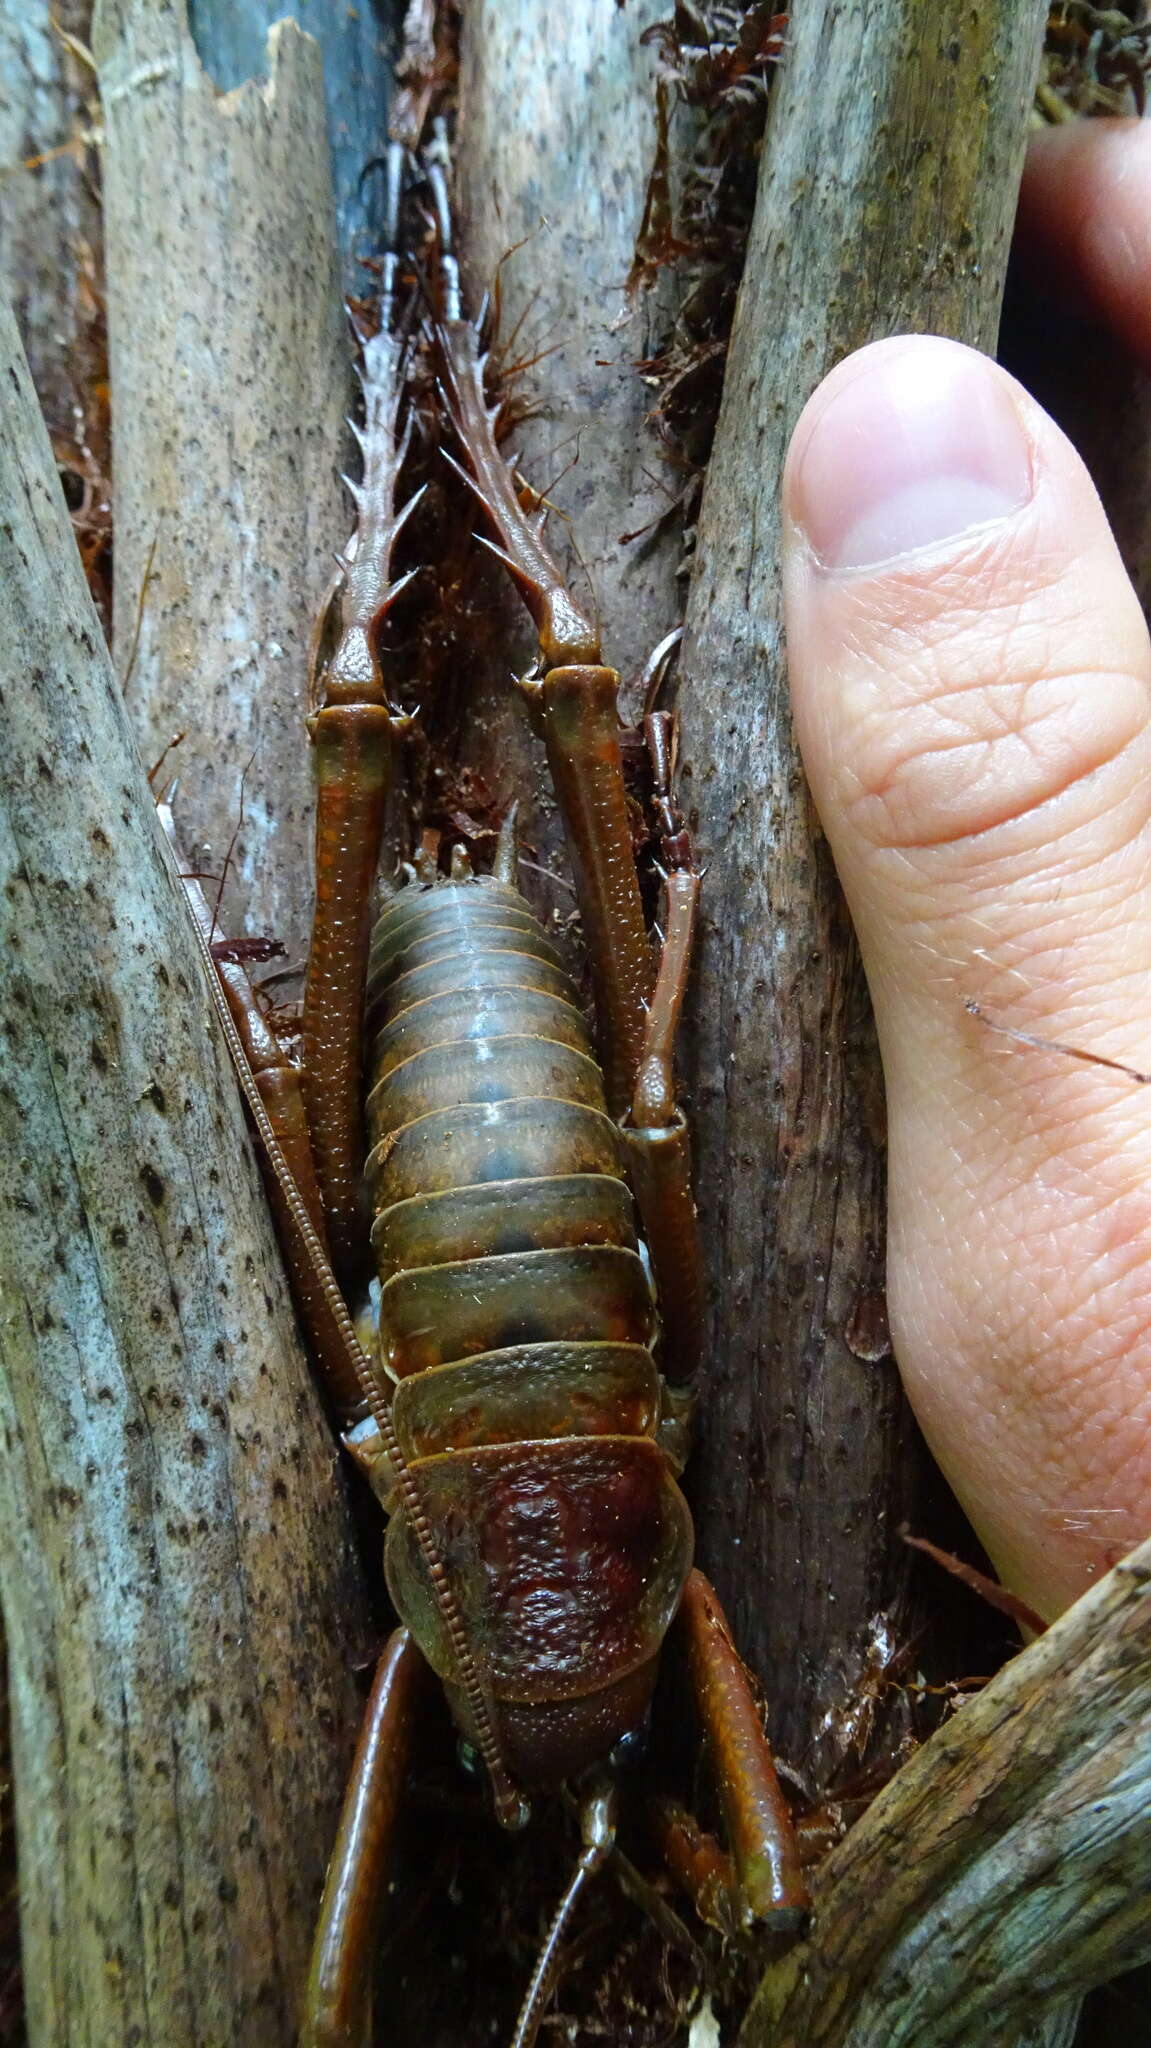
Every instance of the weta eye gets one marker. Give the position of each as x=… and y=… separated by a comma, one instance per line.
x=631, y=1749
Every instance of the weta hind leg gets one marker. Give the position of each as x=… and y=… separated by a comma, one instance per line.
x=337, y=2002
x=759, y=1877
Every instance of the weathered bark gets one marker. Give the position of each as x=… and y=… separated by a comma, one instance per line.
x=49, y=252
x=556, y=140
x=1008, y=1863
x=230, y=379
x=886, y=196
x=174, y=1551
x=50, y=211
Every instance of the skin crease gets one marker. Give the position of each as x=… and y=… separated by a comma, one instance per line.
x=971, y=683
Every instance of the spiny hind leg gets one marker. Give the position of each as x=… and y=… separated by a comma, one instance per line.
x=573, y=700
x=354, y=730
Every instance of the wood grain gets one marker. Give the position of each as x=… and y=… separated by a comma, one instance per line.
x=50, y=214
x=178, y=1588
x=230, y=378
x=1007, y=1866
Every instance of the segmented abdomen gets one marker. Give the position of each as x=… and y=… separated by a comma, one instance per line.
x=517, y=1317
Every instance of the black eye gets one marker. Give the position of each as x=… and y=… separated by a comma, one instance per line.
x=630, y=1750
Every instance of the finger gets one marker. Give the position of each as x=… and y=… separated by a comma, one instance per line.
x=1085, y=220
x=971, y=684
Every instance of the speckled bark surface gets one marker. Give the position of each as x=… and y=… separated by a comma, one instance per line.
x=50, y=216
x=230, y=378
x=177, y=1582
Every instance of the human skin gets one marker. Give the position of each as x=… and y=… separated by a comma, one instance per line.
x=971, y=683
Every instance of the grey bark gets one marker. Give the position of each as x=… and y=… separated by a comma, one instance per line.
x=1006, y=1866
x=49, y=209
x=177, y=1582
x=230, y=378
x=885, y=203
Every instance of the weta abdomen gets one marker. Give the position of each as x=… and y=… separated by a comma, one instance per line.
x=517, y=1319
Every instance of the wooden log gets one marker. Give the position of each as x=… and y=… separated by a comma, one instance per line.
x=230, y=378
x=1007, y=1865
x=49, y=255
x=177, y=1580
x=885, y=202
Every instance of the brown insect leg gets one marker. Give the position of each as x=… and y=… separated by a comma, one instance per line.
x=699, y=1866
x=280, y=1089
x=659, y=1149
x=353, y=734
x=337, y=2003
x=762, y=1879
x=581, y=731
x=566, y=634
x=577, y=706
x=353, y=747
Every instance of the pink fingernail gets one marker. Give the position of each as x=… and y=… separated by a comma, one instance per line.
x=915, y=448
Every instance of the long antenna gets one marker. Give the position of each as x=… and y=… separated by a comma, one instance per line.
x=598, y=1824
x=511, y=1808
